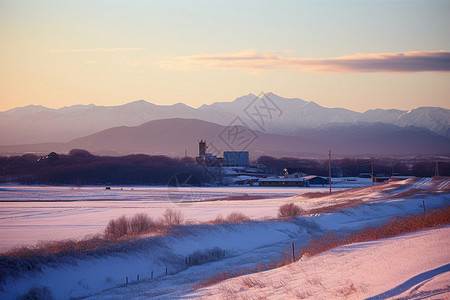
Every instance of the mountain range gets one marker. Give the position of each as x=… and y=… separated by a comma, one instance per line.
x=175, y=137
x=277, y=126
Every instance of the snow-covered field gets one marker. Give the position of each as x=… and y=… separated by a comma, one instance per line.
x=29, y=214
x=345, y=271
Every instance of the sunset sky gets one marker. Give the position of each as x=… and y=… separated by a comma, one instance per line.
x=357, y=54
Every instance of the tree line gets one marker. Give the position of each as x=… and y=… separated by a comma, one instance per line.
x=79, y=167
x=353, y=167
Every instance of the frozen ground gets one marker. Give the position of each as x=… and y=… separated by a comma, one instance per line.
x=229, y=246
x=29, y=214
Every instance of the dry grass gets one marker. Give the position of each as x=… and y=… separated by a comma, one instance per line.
x=233, y=217
x=216, y=278
x=63, y=247
x=237, y=217
x=393, y=227
x=334, y=207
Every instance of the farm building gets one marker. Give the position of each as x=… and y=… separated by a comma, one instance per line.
x=313, y=180
x=235, y=158
x=282, y=182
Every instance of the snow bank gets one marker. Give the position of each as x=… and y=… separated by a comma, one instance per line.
x=414, y=265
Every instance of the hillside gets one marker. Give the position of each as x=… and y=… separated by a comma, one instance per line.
x=173, y=136
x=269, y=113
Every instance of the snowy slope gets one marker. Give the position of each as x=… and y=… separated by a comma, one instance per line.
x=102, y=276
x=411, y=266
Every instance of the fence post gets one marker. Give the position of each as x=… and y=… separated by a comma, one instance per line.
x=293, y=252
x=137, y=277
x=151, y=276
x=166, y=270
x=423, y=202
x=126, y=280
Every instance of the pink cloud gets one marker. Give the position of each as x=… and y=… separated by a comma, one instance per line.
x=252, y=60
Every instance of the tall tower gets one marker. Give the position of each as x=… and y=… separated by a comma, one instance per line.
x=202, y=148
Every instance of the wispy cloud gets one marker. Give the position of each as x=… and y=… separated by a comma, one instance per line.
x=93, y=50
x=254, y=61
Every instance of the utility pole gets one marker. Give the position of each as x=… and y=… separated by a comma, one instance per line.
x=371, y=173
x=329, y=169
x=436, y=170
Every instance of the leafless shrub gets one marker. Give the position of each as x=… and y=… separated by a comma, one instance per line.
x=140, y=223
x=117, y=228
x=173, y=217
x=237, y=217
x=289, y=210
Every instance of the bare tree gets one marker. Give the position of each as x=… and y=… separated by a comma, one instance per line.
x=173, y=217
x=117, y=228
x=140, y=223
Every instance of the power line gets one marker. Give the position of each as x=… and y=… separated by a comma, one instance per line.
x=329, y=168
x=371, y=173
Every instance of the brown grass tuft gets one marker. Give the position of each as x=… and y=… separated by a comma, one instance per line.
x=237, y=217
x=290, y=210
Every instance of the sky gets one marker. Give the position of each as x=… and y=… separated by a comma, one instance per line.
x=356, y=54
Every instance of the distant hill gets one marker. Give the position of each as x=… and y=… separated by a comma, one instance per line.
x=173, y=137
x=270, y=114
